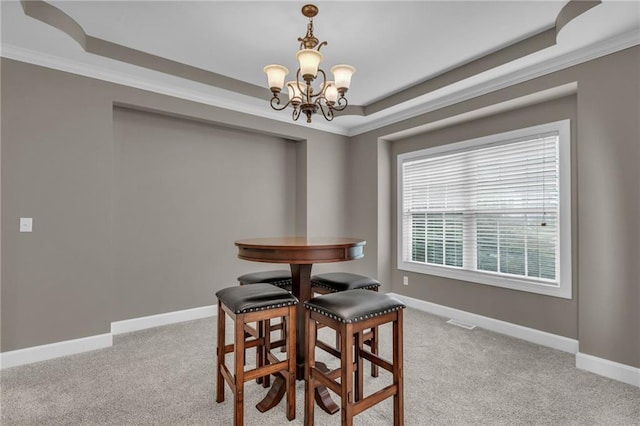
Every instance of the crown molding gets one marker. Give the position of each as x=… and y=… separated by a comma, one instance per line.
x=545, y=95
x=404, y=111
x=584, y=54
x=147, y=83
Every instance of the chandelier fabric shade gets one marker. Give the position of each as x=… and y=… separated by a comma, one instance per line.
x=328, y=97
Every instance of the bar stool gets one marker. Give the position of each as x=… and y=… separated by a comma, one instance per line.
x=349, y=313
x=333, y=282
x=255, y=303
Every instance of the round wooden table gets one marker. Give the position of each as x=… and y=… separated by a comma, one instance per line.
x=300, y=253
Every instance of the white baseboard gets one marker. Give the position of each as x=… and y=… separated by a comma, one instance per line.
x=90, y=343
x=136, y=324
x=604, y=367
x=54, y=350
x=525, y=333
x=601, y=366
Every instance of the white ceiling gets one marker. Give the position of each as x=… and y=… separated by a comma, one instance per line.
x=393, y=45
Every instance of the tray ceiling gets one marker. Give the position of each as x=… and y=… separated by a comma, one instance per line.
x=409, y=56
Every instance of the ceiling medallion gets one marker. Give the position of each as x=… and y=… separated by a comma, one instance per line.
x=329, y=95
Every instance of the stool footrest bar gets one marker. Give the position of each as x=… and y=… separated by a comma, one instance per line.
x=265, y=370
x=376, y=360
x=329, y=349
x=228, y=377
x=374, y=398
x=324, y=380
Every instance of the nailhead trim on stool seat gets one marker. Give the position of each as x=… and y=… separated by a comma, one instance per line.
x=354, y=305
x=342, y=281
x=256, y=297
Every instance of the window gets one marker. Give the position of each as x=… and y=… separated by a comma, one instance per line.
x=493, y=210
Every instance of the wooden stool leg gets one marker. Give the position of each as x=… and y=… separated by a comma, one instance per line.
x=347, y=371
x=220, y=354
x=283, y=333
x=266, y=348
x=260, y=352
x=290, y=324
x=309, y=386
x=398, y=372
x=238, y=395
x=375, y=370
x=359, y=376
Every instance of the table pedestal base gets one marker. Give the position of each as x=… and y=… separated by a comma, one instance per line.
x=278, y=390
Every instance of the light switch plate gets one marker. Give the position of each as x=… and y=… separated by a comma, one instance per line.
x=26, y=224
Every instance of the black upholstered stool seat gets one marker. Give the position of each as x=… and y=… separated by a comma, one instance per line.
x=354, y=305
x=255, y=297
x=342, y=281
x=280, y=278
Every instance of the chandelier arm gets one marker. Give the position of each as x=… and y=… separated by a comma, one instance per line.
x=328, y=114
x=320, y=94
x=339, y=106
x=324, y=43
x=293, y=100
x=275, y=102
x=295, y=114
x=300, y=89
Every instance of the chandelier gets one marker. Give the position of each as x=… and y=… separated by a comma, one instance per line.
x=328, y=96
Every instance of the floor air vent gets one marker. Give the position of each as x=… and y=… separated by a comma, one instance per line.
x=461, y=324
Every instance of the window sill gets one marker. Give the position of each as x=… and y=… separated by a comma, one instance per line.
x=562, y=291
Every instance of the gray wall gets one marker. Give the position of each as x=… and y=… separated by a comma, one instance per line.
x=604, y=312
x=183, y=193
x=609, y=207
x=127, y=200
x=61, y=147
x=57, y=153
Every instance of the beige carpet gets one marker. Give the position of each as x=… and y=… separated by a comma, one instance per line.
x=453, y=376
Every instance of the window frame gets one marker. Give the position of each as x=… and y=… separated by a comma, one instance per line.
x=563, y=289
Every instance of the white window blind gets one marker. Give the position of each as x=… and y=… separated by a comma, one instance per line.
x=490, y=206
